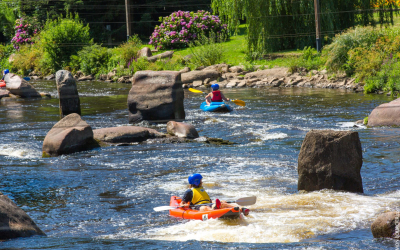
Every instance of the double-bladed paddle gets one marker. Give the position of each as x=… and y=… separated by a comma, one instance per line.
x=237, y=102
x=245, y=201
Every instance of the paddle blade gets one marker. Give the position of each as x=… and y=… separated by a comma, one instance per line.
x=196, y=91
x=239, y=102
x=163, y=208
x=246, y=201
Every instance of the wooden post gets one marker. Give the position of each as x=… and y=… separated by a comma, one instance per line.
x=317, y=25
x=128, y=18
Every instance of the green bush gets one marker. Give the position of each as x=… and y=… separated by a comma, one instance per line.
x=207, y=51
x=5, y=52
x=62, y=38
x=310, y=59
x=28, y=58
x=92, y=60
x=386, y=79
x=125, y=53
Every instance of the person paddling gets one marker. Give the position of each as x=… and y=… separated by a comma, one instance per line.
x=216, y=95
x=5, y=72
x=196, y=195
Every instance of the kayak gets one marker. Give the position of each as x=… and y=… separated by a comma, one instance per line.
x=216, y=107
x=193, y=214
x=2, y=83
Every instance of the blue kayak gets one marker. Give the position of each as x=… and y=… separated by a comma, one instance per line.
x=216, y=107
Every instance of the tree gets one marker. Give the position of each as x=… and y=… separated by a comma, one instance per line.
x=275, y=25
x=8, y=15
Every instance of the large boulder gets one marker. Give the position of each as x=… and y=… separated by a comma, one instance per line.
x=200, y=75
x=387, y=114
x=385, y=225
x=330, y=159
x=14, y=222
x=19, y=86
x=125, y=134
x=71, y=134
x=68, y=93
x=181, y=129
x=156, y=96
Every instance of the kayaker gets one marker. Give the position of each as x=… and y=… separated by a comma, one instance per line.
x=216, y=95
x=197, y=195
x=5, y=72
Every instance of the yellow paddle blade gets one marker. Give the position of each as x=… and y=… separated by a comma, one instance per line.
x=239, y=102
x=196, y=91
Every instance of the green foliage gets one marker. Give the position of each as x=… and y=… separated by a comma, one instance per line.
x=126, y=53
x=207, y=51
x=386, y=79
x=5, y=52
x=365, y=121
x=92, y=59
x=309, y=59
x=62, y=38
x=275, y=25
x=27, y=59
x=8, y=15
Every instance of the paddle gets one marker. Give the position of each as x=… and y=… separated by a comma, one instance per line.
x=237, y=102
x=246, y=201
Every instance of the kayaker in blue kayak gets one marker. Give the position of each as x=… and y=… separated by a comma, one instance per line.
x=216, y=95
x=197, y=195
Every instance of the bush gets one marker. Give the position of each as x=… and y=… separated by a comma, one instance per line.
x=310, y=59
x=28, y=59
x=92, y=59
x=25, y=29
x=386, y=79
x=207, y=51
x=61, y=39
x=124, y=54
x=182, y=27
x=5, y=52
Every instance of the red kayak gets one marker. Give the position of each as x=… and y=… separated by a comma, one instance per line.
x=193, y=214
x=2, y=84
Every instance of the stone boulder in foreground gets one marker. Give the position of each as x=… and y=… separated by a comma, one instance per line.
x=156, y=96
x=181, y=129
x=332, y=160
x=387, y=114
x=71, y=134
x=20, y=87
x=14, y=222
x=125, y=134
x=385, y=225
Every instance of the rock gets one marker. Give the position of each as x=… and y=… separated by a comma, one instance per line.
x=145, y=51
x=111, y=75
x=387, y=114
x=236, y=69
x=221, y=68
x=241, y=84
x=229, y=76
x=79, y=74
x=274, y=72
x=19, y=86
x=156, y=96
x=86, y=78
x=184, y=70
x=330, y=159
x=125, y=134
x=71, y=134
x=50, y=77
x=166, y=54
x=46, y=95
x=14, y=222
x=232, y=83
x=197, y=84
x=69, y=98
x=124, y=79
x=102, y=77
x=4, y=93
x=199, y=75
x=181, y=129
x=385, y=225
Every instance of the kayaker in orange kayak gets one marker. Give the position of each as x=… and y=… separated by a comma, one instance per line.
x=216, y=95
x=196, y=195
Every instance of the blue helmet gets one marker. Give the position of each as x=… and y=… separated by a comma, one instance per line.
x=215, y=86
x=6, y=71
x=195, y=179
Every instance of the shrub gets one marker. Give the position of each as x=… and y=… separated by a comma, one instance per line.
x=25, y=29
x=182, y=27
x=310, y=59
x=5, y=52
x=61, y=39
x=207, y=51
x=92, y=59
x=125, y=53
x=386, y=79
x=28, y=59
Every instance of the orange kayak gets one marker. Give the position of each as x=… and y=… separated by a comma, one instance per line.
x=193, y=214
x=2, y=83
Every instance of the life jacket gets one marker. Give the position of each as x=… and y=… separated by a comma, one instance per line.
x=200, y=196
x=216, y=96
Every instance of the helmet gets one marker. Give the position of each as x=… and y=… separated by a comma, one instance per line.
x=195, y=179
x=215, y=86
x=6, y=71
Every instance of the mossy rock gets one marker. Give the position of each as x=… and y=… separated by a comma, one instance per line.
x=219, y=141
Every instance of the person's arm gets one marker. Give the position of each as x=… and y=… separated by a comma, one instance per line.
x=224, y=98
x=187, y=198
x=208, y=96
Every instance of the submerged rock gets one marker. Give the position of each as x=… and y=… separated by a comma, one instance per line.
x=125, y=134
x=14, y=222
x=181, y=129
x=330, y=159
x=385, y=226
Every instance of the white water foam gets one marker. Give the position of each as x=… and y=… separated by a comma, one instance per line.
x=20, y=151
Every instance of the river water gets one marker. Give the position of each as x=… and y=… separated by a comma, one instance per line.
x=103, y=199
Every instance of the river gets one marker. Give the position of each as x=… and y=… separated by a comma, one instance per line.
x=103, y=198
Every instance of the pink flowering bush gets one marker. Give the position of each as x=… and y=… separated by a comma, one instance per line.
x=182, y=27
x=24, y=32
